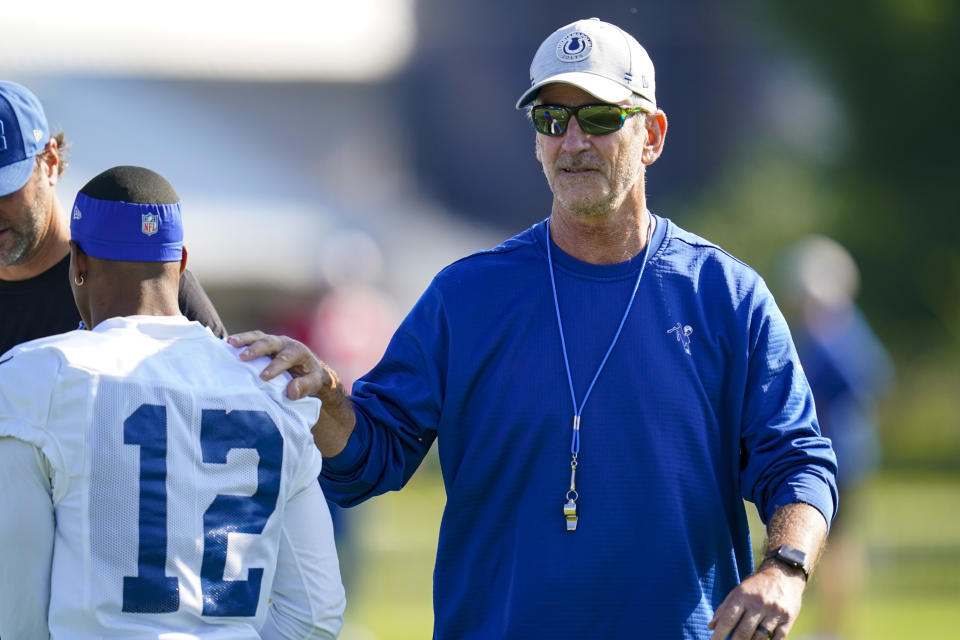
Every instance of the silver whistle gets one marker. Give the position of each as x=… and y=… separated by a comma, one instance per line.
x=570, y=511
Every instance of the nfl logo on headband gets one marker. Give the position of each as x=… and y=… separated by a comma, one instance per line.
x=122, y=230
x=149, y=223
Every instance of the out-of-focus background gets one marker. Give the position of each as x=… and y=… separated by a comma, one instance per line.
x=333, y=156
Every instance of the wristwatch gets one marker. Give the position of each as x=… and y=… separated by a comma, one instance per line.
x=792, y=557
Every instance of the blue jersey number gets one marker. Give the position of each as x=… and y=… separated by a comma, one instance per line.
x=219, y=432
x=151, y=590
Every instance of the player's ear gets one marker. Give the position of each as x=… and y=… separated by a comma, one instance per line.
x=78, y=260
x=183, y=260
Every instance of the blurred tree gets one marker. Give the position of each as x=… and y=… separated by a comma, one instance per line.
x=893, y=66
x=852, y=139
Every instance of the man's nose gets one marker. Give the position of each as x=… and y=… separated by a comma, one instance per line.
x=574, y=139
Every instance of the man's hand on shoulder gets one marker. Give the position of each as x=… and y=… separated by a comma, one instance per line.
x=311, y=377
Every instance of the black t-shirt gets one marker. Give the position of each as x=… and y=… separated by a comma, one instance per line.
x=43, y=306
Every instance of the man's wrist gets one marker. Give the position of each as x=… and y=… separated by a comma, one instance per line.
x=792, y=560
x=790, y=572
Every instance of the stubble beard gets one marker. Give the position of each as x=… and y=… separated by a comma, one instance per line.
x=24, y=239
x=587, y=207
x=586, y=196
x=604, y=196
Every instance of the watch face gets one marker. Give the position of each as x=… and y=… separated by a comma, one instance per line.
x=793, y=556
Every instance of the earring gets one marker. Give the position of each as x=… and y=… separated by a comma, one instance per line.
x=76, y=282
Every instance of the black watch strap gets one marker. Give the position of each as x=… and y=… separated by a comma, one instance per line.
x=792, y=557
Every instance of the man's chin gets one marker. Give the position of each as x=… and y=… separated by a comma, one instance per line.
x=585, y=208
x=583, y=200
x=11, y=252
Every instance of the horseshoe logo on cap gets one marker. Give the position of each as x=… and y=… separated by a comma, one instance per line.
x=574, y=47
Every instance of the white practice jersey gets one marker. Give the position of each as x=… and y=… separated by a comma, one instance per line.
x=184, y=487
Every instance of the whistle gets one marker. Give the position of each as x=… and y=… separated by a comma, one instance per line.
x=570, y=511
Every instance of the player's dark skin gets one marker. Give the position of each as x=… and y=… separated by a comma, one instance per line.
x=113, y=288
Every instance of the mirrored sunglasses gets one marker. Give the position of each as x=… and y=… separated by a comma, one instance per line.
x=594, y=119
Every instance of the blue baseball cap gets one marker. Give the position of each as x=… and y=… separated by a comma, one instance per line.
x=24, y=133
x=128, y=213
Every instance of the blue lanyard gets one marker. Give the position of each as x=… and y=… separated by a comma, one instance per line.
x=570, y=507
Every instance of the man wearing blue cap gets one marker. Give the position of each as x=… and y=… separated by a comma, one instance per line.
x=605, y=389
x=34, y=230
x=153, y=484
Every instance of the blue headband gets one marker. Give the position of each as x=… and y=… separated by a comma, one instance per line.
x=127, y=231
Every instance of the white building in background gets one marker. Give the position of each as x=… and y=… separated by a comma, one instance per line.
x=275, y=127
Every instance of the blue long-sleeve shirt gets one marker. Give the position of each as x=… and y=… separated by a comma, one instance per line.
x=680, y=426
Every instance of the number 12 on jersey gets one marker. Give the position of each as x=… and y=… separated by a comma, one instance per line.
x=151, y=590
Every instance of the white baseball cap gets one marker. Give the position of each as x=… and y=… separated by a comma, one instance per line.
x=596, y=56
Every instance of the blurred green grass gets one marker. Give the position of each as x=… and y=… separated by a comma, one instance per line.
x=910, y=523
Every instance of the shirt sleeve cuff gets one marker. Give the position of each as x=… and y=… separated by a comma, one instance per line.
x=348, y=461
x=809, y=488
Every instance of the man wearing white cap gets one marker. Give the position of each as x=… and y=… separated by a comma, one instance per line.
x=153, y=486
x=605, y=389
